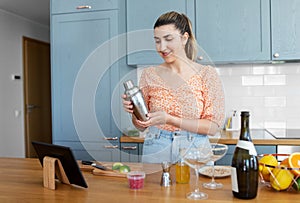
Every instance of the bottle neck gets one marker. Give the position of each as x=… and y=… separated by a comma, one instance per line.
x=245, y=130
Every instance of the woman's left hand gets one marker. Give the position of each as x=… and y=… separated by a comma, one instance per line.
x=155, y=118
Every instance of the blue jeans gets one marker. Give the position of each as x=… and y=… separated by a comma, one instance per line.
x=162, y=145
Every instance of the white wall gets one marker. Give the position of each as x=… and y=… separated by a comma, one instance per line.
x=270, y=91
x=12, y=29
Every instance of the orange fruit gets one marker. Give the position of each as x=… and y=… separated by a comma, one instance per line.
x=285, y=162
x=294, y=162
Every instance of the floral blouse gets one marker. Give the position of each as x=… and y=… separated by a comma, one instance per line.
x=200, y=97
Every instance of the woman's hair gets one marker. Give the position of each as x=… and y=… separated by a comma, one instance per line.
x=183, y=24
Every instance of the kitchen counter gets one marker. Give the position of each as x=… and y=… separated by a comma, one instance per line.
x=259, y=137
x=22, y=181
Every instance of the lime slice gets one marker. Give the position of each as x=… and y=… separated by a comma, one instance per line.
x=116, y=166
x=124, y=169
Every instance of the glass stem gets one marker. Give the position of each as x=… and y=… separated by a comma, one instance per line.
x=213, y=173
x=197, y=180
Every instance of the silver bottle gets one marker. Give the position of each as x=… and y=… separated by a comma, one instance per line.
x=134, y=94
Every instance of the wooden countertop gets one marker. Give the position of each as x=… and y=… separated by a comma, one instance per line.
x=259, y=137
x=22, y=181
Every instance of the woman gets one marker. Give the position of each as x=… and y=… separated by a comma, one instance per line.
x=183, y=97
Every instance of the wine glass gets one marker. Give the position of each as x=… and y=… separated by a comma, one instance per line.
x=196, y=156
x=219, y=150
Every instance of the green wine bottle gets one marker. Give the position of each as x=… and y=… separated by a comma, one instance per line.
x=244, y=170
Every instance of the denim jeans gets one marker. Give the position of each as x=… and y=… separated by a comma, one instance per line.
x=162, y=145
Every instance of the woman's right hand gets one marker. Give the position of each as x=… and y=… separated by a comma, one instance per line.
x=127, y=105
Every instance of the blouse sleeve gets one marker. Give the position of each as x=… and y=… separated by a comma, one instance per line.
x=214, y=101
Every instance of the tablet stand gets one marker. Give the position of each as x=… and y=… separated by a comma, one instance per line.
x=52, y=167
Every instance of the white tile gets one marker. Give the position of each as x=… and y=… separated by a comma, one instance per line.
x=275, y=124
x=263, y=69
x=289, y=68
x=274, y=79
x=252, y=101
x=293, y=123
x=293, y=80
x=231, y=80
x=293, y=101
x=252, y=80
x=258, y=70
x=275, y=101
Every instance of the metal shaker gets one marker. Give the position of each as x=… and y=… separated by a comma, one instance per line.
x=134, y=94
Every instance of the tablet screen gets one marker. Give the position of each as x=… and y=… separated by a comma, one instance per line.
x=66, y=157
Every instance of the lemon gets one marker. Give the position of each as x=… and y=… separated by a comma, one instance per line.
x=124, y=169
x=264, y=164
x=281, y=178
x=116, y=166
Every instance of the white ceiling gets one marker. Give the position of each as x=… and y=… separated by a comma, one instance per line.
x=35, y=10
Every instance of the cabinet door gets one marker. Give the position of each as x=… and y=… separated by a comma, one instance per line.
x=233, y=30
x=141, y=16
x=129, y=152
x=285, y=22
x=74, y=37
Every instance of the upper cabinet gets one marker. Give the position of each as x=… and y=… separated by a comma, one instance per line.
x=285, y=26
x=141, y=16
x=227, y=31
x=233, y=30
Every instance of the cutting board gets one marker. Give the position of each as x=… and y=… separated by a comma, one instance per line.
x=147, y=168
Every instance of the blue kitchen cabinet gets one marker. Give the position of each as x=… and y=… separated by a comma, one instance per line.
x=233, y=30
x=285, y=26
x=82, y=84
x=131, y=152
x=141, y=16
x=260, y=149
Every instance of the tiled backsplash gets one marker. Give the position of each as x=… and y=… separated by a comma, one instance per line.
x=271, y=92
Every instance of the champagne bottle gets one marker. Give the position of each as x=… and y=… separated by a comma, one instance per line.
x=244, y=170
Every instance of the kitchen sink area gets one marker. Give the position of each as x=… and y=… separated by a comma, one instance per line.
x=285, y=133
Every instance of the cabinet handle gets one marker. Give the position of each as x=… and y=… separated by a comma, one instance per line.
x=200, y=58
x=111, y=138
x=83, y=7
x=130, y=148
x=276, y=55
x=111, y=147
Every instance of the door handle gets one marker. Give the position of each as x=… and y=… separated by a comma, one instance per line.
x=30, y=107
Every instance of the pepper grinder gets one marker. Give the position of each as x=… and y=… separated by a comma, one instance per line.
x=165, y=177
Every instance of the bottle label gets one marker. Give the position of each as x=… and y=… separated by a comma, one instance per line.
x=234, y=182
x=248, y=146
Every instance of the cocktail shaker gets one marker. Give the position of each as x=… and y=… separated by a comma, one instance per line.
x=134, y=94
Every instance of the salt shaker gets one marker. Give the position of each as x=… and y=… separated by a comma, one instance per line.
x=165, y=177
x=134, y=94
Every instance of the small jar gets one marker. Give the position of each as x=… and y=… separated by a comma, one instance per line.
x=182, y=172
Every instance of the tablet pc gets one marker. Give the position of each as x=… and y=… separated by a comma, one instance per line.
x=66, y=157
